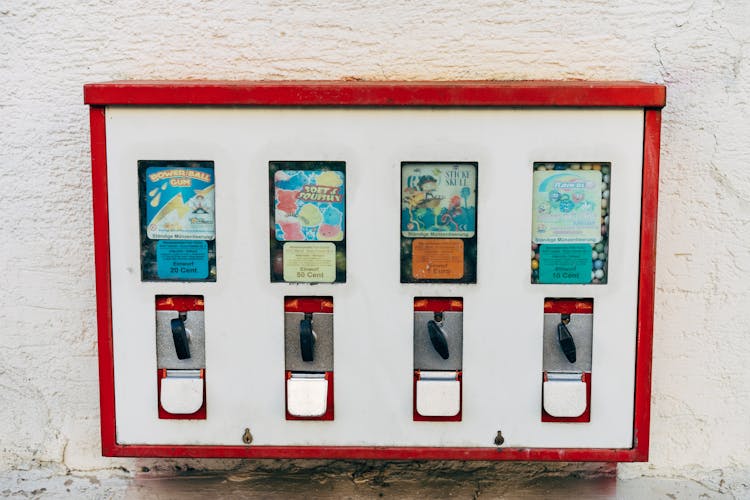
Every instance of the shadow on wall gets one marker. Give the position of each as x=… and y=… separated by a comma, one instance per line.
x=366, y=479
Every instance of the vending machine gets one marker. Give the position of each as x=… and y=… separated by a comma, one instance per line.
x=472, y=263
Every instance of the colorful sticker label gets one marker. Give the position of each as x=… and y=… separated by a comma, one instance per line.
x=438, y=200
x=310, y=262
x=309, y=205
x=565, y=263
x=182, y=259
x=567, y=206
x=180, y=203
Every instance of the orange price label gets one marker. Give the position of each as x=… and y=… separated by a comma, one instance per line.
x=437, y=259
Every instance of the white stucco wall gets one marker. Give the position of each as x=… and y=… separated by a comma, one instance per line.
x=700, y=49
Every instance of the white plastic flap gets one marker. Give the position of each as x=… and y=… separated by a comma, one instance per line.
x=306, y=397
x=438, y=398
x=565, y=398
x=180, y=395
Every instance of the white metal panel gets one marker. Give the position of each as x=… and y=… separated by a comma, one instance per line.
x=373, y=315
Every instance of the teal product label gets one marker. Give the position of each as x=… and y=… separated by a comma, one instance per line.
x=177, y=259
x=565, y=264
x=567, y=207
x=180, y=202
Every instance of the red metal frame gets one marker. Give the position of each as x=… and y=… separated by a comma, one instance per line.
x=650, y=97
x=180, y=303
x=326, y=93
x=570, y=306
x=310, y=304
x=437, y=304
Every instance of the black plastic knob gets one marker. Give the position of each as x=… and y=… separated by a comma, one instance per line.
x=306, y=340
x=567, y=344
x=180, y=338
x=438, y=338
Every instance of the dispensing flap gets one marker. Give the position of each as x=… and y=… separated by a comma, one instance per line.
x=307, y=395
x=181, y=392
x=438, y=394
x=564, y=395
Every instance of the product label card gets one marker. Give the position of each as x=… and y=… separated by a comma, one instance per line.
x=309, y=205
x=180, y=202
x=310, y=262
x=565, y=263
x=438, y=200
x=438, y=259
x=567, y=206
x=182, y=259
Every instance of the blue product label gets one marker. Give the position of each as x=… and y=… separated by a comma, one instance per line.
x=180, y=202
x=565, y=263
x=182, y=259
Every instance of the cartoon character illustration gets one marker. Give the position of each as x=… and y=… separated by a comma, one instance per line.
x=289, y=180
x=332, y=216
x=329, y=178
x=286, y=201
x=196, y=203
x=327, y=232
x=291, y=230
x=454, y=210
x=428, y=185
x=309, y=215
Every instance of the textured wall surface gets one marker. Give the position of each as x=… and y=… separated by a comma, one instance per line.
x=700, y=49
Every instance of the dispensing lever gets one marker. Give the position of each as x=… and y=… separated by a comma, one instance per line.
x=180, y=336
x=438, y=338
x=567, y=344
x=307, y=338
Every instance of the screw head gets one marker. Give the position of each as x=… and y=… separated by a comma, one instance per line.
x=247, y=438
x=499, y=439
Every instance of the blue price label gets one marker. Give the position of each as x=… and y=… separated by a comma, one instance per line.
x=567, y=263
x=177, y=259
